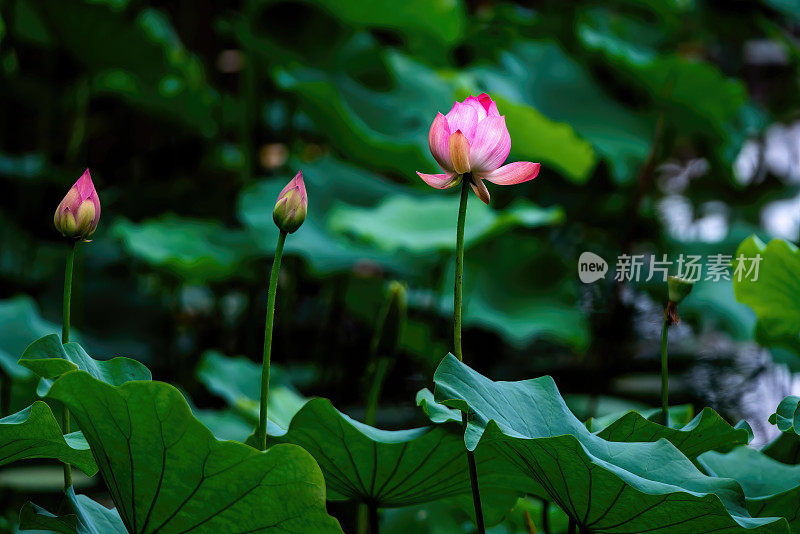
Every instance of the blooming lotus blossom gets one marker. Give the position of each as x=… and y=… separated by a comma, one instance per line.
x=472, y=142
x=78, y=214
x=292, y=205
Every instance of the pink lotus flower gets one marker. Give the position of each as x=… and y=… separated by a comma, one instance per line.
x=472, y=142
x=78, y=214
x=292, y=205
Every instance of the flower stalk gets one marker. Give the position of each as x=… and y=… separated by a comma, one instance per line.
x=677, y=289
x=288, y=215
x=65, y=320
x=261, y=434
x=462, y=219
x=664, y=371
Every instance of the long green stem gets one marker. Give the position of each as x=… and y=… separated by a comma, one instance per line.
x=546, y=517
x=664, y=374
x=65, y=339
x=462, y=219
x=374, y=521
x=273, y=288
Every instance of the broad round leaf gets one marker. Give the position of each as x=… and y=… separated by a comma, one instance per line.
x=49, y=359
x=166, y=472
x=35, y=433
x=605, y=486
x=708, y=431
x=89, y=517
x=771, y=488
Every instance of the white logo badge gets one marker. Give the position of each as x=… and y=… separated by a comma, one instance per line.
x=591, y=267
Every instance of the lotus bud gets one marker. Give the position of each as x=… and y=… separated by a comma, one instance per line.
x=677, y=290
x=78, y=214
x=292, y=205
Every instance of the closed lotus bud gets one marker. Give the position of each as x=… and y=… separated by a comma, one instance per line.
x=292, y=205
x=78, y=214
x=678, y=288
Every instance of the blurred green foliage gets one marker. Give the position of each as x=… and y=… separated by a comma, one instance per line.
x=193, y=115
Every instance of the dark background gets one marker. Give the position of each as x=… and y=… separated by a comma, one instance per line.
x=662, y=127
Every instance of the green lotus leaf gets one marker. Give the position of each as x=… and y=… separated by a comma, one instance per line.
x=238, y=381
x=785, y=448
x=90, y=517
x=605, y=486
x=49, y=358
x=387, y=468
x=21, y=322
x=679, y=415
x=194, y=250
x=774, y=295
x=436, y=412
x=35, y=433
x=353, y=117
x=425, y=225
x=771, y=488
x=708, y=431
x=787, y=415
x=166, y=472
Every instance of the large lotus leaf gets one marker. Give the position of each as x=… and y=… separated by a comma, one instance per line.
x=785, y=448
x=772, y=488
x=49, y=359
x=35, y=433
x=543, y=304
x=225, y=424
x=21, y=324
x=238, y=381
x=194, y=250
x=162, y=77
x=774, y=295
x=679, y=416
x=390, y=468
x=540, y=74
x=605, y=486
x=708, y=431
x=443, y=24
x=89, y=517
x=398, y=141
x=699, y=96
x=166, y=472
x=426, y=225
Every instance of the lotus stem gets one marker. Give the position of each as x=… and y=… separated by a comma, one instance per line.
x=65, y=319
x=374, y=521
x=664, y=373
x=473, y=481
x=462, y=218
x=545, y=516
x=573, y=526
x=261, y=434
